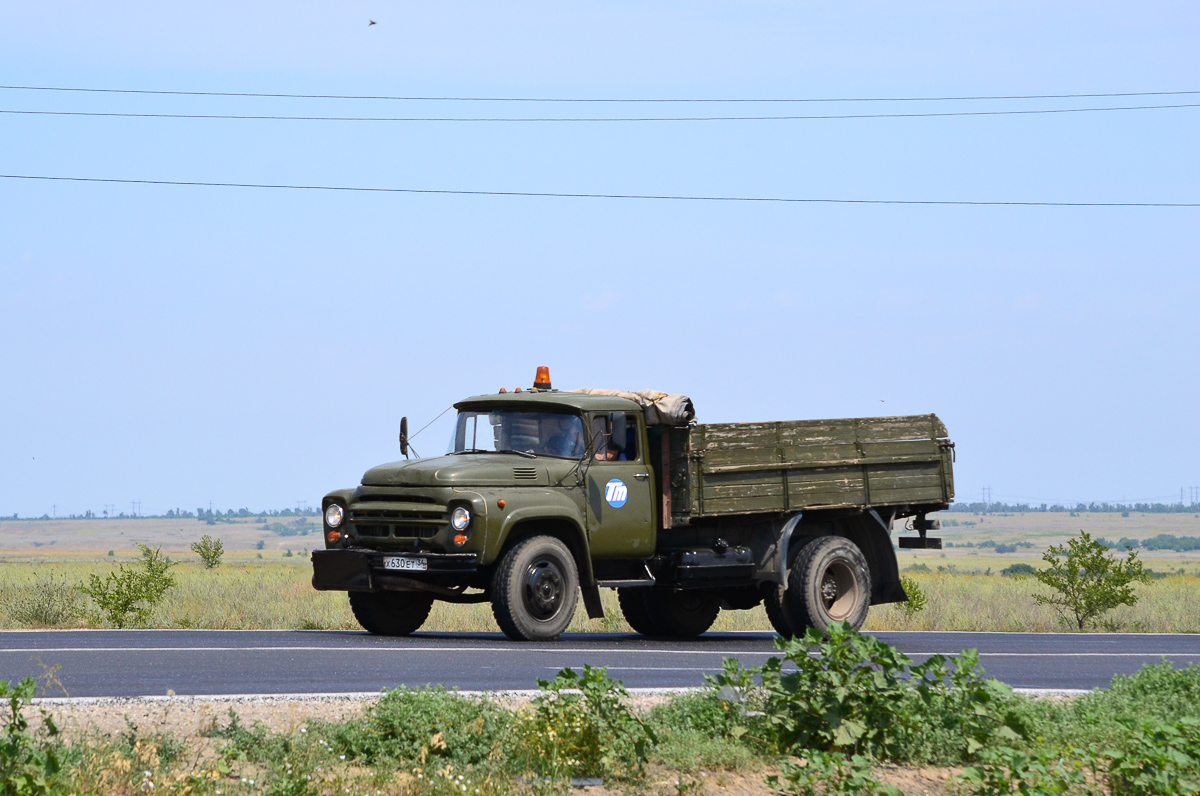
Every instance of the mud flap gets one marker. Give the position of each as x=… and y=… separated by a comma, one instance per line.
x=591, y=600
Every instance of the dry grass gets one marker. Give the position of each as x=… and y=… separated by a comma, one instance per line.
x=276, y=593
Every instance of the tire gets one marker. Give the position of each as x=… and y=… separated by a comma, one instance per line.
x=390, y=613
x=535, y=589
x=636, y=609
x=782, y=619
x=773, y=602
x=682, y=613
x=829, y=582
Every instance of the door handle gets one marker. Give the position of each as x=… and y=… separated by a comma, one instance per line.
x=641, y=476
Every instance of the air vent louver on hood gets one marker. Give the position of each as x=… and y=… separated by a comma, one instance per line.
x=525, y=473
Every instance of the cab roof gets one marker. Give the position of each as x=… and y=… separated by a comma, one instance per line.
x=551, y=400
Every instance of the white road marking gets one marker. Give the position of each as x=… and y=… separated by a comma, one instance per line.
x=577, y=650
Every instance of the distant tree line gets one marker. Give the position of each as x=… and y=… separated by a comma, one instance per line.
x=200, y=514
x=1079, y=508
x=1164, y=541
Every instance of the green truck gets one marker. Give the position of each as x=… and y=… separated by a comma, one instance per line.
x=545, y=496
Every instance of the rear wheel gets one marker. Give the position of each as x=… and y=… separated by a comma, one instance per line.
x=682, y=613
x=775, y=601
x=390, y=613
x=829, y=582
x=535, y=589
x=636, y=609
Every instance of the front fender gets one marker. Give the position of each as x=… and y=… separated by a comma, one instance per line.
x=533, y=505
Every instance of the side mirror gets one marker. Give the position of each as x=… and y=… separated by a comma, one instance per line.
x=616, y=422
x=404, y=436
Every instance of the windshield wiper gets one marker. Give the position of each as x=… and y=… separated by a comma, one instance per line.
x=526, y=454
x=470, y=450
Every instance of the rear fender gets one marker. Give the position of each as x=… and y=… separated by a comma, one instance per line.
x=872, y=534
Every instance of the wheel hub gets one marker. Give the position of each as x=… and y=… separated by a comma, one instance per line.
x=838, y=590
x=544, y=593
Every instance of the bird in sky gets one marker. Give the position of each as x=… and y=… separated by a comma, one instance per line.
x=370, y=22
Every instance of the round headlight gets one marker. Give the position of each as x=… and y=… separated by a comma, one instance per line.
x=460, y=518
x=334, y=515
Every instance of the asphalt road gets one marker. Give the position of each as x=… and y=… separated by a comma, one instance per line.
x=94, y=663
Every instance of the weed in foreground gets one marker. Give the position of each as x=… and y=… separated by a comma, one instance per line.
x=29, y=759
x=581, y=726
x=859, y=695
x=1156, y=692
x=1004, y=771
x=1158, y=759
x=704, y=731
x=829, y=774
x=424, y=727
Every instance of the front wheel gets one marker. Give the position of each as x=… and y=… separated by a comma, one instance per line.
x=534, y=590
x=390, y=613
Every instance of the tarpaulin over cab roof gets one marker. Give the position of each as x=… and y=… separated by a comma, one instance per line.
x=659, y=407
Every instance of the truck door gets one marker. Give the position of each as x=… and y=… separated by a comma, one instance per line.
x=620, y=494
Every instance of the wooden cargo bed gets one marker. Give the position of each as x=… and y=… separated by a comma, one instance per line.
x=740, y=468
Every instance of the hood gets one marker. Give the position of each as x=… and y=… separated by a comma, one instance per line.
x=474, y=469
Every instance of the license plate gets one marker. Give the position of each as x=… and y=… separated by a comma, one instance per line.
x=404, y=562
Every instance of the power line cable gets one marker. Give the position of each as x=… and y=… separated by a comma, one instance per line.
x=559, y=195
x=1037, y=111
x=593, y=99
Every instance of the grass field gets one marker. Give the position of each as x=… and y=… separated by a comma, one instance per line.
x=265, y=588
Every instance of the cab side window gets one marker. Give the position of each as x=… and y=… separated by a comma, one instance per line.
x=601, y=432
x=631, y=438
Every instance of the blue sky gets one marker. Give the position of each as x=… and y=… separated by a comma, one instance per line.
x=178, y=345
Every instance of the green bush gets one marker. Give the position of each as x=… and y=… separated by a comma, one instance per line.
x=29, y=760
x=858, y=695
x=417, y=726
x=836, y=775
x=1156, y=692
x=47, y=603
x=1004, y=771
x=210, y=551
x=129, y=595
x=1158, y=759
x=1088, y=580
x=703, y=730
x=917, y=598
x=1018, y=571
x=581, y=727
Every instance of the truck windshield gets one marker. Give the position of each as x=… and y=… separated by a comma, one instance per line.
x=507, y=431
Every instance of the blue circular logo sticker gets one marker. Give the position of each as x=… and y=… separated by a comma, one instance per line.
x=616, y=493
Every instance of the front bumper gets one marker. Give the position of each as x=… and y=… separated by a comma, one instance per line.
x=362, y=570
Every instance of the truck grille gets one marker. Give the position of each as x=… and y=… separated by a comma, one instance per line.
x=399, y=532
x=407, y=517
